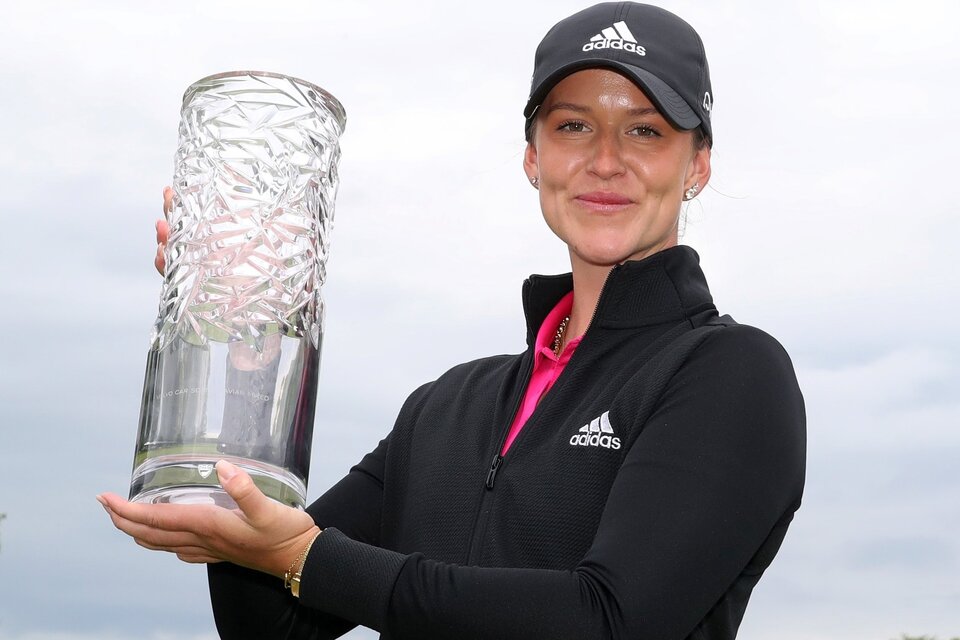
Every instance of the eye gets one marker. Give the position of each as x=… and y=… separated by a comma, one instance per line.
x=645, y=131
x=575, y=126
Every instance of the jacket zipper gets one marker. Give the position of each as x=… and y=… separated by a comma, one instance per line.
x=492, y=474
x=498, y=459
x=480, y=525
x=483, y=515
x=603, y=289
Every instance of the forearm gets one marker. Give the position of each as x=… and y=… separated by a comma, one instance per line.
x=409, y=596
x=251, y=604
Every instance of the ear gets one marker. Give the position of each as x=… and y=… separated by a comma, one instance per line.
x=531, y=164
x=698, y=171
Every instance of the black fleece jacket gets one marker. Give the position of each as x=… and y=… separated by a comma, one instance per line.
x=643, y=499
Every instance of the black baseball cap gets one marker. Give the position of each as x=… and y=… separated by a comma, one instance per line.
x=661, y=53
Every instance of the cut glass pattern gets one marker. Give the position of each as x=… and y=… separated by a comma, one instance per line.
x=255, y=182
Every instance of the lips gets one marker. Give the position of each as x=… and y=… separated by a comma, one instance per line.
x=604, y=197
x=604, y=200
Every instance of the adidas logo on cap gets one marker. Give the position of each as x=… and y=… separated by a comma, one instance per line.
x=617, y=36
x=598, y=433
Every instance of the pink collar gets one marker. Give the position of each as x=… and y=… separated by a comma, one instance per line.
x=546, y=366
x=548, y=329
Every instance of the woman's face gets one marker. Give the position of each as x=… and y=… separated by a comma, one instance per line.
x=612, y=170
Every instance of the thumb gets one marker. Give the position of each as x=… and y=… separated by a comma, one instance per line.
x=239, y=485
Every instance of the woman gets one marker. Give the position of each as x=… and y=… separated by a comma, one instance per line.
x=630, y=475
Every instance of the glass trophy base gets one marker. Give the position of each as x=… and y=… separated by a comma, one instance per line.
x=226, y=401
x=188, y=495
x=192, y=479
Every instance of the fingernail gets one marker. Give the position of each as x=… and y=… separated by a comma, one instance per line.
x=225, y=471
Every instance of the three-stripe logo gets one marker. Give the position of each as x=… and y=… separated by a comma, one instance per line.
x=598, y=433
x=617, y=36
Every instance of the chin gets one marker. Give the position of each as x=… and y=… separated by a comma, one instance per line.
x=605, y=257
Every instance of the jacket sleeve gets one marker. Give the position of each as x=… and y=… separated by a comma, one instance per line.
x=250, y=604
x=703, y=497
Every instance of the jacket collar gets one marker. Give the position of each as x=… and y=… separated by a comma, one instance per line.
x=667, y=286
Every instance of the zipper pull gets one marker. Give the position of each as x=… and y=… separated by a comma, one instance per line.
x=492, y=474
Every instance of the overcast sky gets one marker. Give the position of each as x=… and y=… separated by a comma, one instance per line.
x=830, y=222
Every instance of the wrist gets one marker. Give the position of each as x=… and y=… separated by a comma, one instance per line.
x=292, y=576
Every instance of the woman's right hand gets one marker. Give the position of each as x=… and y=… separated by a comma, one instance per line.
x=163, y=229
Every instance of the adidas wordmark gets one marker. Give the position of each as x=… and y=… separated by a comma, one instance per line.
x=617, y=36
x=598, y=433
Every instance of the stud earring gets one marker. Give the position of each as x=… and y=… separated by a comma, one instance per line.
x=691, y=193
x=535, y=181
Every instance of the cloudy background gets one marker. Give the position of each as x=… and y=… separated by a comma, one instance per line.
x=830, y=222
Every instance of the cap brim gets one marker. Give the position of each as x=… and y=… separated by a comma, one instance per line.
x=667, y=101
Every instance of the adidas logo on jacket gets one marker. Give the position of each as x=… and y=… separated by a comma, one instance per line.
x=598, y=433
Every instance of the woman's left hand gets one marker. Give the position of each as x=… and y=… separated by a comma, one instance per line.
x=261, y=534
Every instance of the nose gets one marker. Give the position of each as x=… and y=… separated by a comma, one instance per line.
x=607, y=159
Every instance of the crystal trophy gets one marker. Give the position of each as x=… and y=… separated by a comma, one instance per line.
x=232, y=366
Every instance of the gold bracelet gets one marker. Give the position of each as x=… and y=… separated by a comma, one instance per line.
x=291, y=579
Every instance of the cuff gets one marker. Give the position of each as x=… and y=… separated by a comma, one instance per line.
x=349, y=579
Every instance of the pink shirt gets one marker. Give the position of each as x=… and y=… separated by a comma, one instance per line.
x=547, y=367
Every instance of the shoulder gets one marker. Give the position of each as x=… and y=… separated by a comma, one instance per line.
x=744, y=348
x=738, y=365
x=715, y=353
x=473, y=374
x=727, y=377
x=476, y=371
x=741, y=379
x=736, y=395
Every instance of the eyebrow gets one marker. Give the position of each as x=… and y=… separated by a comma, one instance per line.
x=578, y=108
